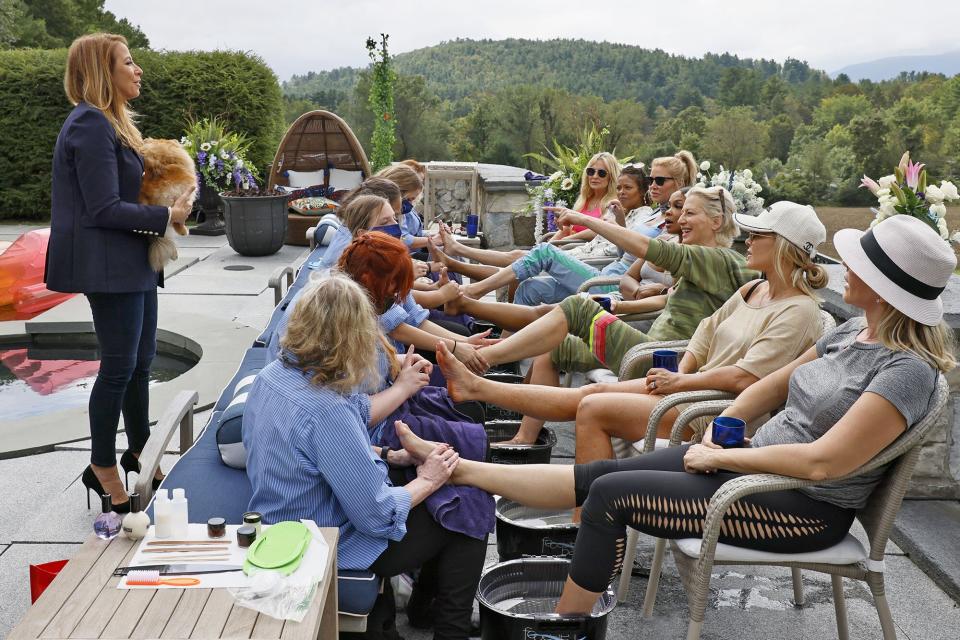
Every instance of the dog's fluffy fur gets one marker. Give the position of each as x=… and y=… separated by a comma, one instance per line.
x=168, y=171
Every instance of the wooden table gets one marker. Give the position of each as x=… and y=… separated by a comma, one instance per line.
x=84, y=602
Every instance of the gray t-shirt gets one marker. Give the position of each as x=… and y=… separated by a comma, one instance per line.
x=822, y=391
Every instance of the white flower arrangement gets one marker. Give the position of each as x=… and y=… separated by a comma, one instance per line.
x=740, y=183
x=906, y=192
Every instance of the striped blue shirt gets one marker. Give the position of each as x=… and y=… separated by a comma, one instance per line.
x=410, y=227
x=309, y=456
x=338, y=244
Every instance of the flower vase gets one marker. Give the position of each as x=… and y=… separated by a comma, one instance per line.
x=209, y=208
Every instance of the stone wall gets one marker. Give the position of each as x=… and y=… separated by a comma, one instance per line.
x=451, y=198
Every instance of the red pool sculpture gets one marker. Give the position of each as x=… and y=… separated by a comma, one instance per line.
x=21, y=275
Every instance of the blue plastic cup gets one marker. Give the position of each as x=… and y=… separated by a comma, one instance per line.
x=666, y=359
x=473, y=223
x=604, y=301
x=728, y=432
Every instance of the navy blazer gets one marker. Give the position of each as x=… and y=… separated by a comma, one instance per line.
x=99, y=234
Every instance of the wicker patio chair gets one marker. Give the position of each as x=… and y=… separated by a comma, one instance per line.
x=635, y=364
x=696, y=557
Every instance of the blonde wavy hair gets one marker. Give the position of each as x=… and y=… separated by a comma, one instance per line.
x=934, y=345
x=403, y=176
x=718, y=203
x=89, y=78
x=681, y=166
x=333, y=335
x=805, y=274
x=612, y=166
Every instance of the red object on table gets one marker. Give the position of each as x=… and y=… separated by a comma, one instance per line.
x=41, y=575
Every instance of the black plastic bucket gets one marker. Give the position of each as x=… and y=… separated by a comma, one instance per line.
x=506, y=367
x=499, y=413
x=537, y=453
x=528, y=531
x=517, y=599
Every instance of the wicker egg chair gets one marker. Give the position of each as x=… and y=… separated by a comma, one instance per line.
x=317, y=141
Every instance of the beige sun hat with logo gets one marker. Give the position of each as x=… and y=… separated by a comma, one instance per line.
x=904, y=261
x=797, y=223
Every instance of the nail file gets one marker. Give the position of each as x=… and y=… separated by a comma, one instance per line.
x=180, y=569
x=187, y=549
x=196, y=558
x=169, y=543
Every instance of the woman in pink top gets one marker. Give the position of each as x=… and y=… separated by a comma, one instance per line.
x=598, y=188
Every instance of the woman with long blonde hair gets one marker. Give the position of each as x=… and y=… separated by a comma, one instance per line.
x=99, y=241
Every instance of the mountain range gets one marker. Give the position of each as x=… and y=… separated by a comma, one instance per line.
x=889, y=68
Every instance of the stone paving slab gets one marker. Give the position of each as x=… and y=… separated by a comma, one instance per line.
x=929, y=531
x=216, y=274
x=29, y=484
x=15, y=577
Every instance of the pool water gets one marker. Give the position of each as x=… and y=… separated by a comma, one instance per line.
x=36, y=380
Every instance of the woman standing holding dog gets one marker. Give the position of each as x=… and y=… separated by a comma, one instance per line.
x=99, y=241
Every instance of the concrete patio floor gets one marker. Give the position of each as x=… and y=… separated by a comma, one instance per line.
x=45, y=514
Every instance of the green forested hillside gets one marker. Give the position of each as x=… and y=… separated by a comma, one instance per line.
x=460, y=68
x=810, y=137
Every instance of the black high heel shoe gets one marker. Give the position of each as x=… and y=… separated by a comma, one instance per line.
x=92, y=483
x=131, y=464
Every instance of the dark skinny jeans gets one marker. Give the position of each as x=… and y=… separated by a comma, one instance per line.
x=126, y=328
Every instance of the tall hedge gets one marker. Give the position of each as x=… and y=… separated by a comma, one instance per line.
x=177, y=86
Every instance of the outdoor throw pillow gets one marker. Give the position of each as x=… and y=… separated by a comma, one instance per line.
x=313, y=206
x=230, y=432
x=326, y=229
x=342, y=180
x=304, y=178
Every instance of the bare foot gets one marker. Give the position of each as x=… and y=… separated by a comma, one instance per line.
x=109, y=478
x=417, y=447
x=461, y=383
x=450, y=290
x=454, y=306
x=512, y=442
x=473, y=290
x=450, y=246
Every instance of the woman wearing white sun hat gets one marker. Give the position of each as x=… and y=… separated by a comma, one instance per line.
x=847, y=398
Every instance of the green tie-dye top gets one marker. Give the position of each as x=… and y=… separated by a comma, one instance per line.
x=704, y=278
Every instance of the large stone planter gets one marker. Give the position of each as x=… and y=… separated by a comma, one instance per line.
x=256, y=225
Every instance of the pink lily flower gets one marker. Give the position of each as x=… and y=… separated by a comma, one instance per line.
x=870, y=184
x=912, y=174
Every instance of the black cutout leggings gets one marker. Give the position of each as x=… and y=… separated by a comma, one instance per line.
x=653, y=494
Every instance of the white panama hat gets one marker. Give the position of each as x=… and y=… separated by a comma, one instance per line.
x=904, y=261
x=797, y=223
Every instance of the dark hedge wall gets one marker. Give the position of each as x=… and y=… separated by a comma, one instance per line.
x=177, y=86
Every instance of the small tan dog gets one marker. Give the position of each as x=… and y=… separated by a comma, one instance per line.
x=168, y=171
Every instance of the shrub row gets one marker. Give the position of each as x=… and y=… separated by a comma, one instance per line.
x=177, y=86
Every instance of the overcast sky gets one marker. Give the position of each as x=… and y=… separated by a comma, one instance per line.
x=296, y=36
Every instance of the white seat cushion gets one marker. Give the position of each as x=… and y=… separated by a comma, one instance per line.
x=601, y=375
x=662, y=443
x=847, y=551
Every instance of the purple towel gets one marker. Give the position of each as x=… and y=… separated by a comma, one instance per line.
x=432, y=416
x=460, y=318
x=452, y=275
